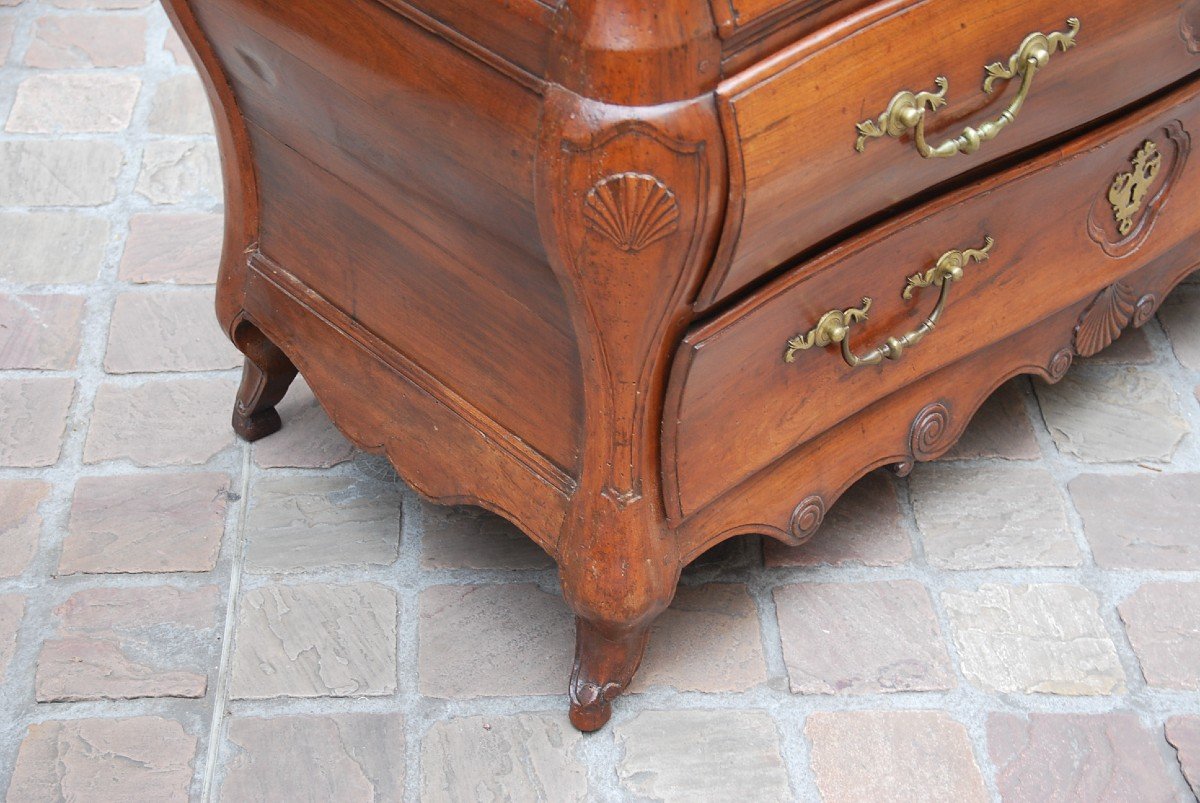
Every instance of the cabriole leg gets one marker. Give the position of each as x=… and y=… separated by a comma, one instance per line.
x=266, y=376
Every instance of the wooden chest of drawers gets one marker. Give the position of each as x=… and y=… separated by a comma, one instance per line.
x=641, y=277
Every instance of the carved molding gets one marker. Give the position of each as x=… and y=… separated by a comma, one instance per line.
x=1104, y=319
x=633, y=210
x=807, y=518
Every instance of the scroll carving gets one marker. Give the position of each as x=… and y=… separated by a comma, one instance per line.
x=930, y=431
x=807, y=518
x=633, y=210
x=1104, y=319
x=1059, y=364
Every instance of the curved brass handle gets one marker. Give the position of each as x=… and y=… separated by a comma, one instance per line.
x=908, y=110
x=835, y=325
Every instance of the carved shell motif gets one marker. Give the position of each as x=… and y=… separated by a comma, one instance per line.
x=1105, y=319
x=633, y=210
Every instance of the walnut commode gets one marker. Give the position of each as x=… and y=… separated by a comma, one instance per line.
x=642, y=276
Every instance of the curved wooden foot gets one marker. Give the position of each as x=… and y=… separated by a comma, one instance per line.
x=603, y=669
x=266, y=376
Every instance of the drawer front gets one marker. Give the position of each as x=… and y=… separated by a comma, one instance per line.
x=798, y=177
x=982, y=264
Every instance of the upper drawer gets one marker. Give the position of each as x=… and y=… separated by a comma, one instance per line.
x=792, y=121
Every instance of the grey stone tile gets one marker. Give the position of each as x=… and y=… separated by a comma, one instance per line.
x=332, y=757
x=701, y=756
x=303, y=523
x=308, y=438
x=12, y=611
x=470, y=538
x=73, y=103
x=86, y=40
x=34, y=421
x=51, y=247
x=522, y=757
x=1001, y=428
x=1140, y=522
x=58, y=173
x=316, y=640
x=861, y=638
x=173, y=330
x=175, y=172
x=1029, y=639
x=1180, y=317
x=180, y=107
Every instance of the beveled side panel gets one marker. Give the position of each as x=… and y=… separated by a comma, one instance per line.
x=735, y=405
x=395, y=176
x=797, y=177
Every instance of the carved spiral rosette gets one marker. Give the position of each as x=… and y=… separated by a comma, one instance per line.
x=1060, y=363
x=1104, y=320
x=1146, y=307
x=930, y=431
x=633, y=210
x=807, y=518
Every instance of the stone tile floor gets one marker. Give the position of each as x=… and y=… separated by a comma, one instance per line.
x=185, y=616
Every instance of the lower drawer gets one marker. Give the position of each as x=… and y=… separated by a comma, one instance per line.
x=923, y=291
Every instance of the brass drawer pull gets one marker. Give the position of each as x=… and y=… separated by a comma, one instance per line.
x=907, y=111
x=834, y=326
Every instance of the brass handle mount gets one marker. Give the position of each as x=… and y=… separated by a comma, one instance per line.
x=835, y=326
x=907, y=111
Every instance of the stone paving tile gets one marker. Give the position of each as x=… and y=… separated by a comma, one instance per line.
x=701, y=756
x=39, y=331
x=301, y=523
x=1163, y=623
x=1184, y=735
x=1076, y=757
x=986, y=517
x=161, y=422
x=180, y=107
x=493, y=641
x=861, y=638
x=1113, y=415
x=345, y=758
x=1131, y=348
x=73, y=103
x=315, y=640
x=105, y=760
x=462, y=537
x=1140, y=522
x=522, y=757
x=100, y=4
x=709, y=640
x=174, y=45
x=145, y=523
x=179, y=248
x=173, y=330
x=34, y=420
x=12, y=611
x=1001, y=428
x=7, y=27
x=86, y=40
x=863, y=527
x=20, y=523
x=308, y=438
x=893, y=755
x=179, y=172
x=58, y=173
x=1034, y=639
x=125, y=643
x=1180, y=317
x=51, y=247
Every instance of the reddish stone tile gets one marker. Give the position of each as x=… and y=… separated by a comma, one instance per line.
x=178, y=248
x=861, y=638
x=34, y=420
x=864, y=526
x=1001, y=428
x=1140, y=522
x=1076, y=757
x=173, y=330
x=709, y=640
x=39, y=332
x=893, y=755
x=161, y=423
x=140, y=758
x=87, y=40
x=471, y=538
x=12, y=611
x=20, y=523
x=1184, y=735
x=145, y=523
x=124, y=643
x=1163, y=623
